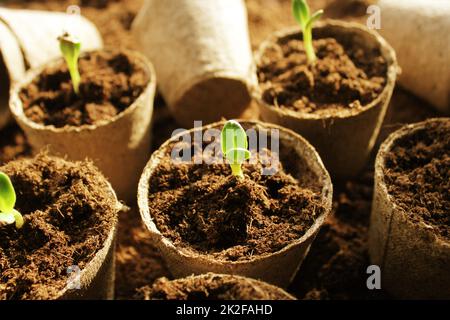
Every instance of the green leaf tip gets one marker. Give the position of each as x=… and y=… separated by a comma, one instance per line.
x=8, y=214
x=70, y=47
x=235, y=146
x=301, y=13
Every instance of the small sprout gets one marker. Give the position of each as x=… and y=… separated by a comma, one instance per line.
x=8, y=214
x=235, y=146
x=300, y=9
x=70, y=48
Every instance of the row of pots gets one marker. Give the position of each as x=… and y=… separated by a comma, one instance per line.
x=343, y=152
x=413, y=258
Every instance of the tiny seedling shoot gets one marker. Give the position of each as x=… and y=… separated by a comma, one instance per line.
x=70, y=48
x=301, y=12
x=235, y=146
x=8, y=214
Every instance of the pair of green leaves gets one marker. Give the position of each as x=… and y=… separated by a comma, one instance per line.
x=301, y=12
x=8, y=214
x=235, y=146
x=70, y=47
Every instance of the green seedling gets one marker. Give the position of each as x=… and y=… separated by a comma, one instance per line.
x=70, y=48
x=301, y=12
x=235, y=146
x=8, y=214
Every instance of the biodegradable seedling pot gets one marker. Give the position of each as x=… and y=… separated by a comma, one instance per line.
x=202, y=56
x=67, y=242
x=345, y=138
x=428, y=58
x=28, y=39
x=278, y=266
x=118, y=145
x=212, y=286
x=412, y=249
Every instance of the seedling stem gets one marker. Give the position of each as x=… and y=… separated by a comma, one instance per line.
x=301, y=12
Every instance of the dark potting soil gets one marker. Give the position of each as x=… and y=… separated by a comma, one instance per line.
x=344, y=76
x=13, y=144
x=68, y=211
x=417, y=175
x=138, y=262
x=110, y=83
x=210, y=287
x=202, y=207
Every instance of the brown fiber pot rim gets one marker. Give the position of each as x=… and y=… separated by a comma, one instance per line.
x=321, y=172
x=386, y=148
x=386, y=51
x=16, y=105
x=257, y=283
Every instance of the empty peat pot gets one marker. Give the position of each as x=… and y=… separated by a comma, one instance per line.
x=202, y=56
x=212, y=286
x=65, y=249
x=409, y=234
x=109, y=121
x=337, y=103
x=204, y=219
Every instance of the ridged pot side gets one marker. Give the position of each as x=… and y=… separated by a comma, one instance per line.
x=277, y=268
x=97, y=280
x=119, y=146
x=344, y=140
x=414, y=261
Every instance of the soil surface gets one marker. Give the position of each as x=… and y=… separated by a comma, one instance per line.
x=417, y=176
x=210, y=287
x=202, y=207
x=110, y=83
x=343, y=76
x=68, y=212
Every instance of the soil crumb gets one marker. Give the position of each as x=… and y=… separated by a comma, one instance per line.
x=68, y=211
x=203, y=207
x=210, y=287
x=110, y=83
x=417, y=175
x=344, y=76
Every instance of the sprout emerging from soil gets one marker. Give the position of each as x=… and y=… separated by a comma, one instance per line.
x=70, y=48
x=235, y=146
x=8, y=214
x=300, y=10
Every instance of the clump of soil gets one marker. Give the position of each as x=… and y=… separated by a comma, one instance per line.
x=344, y=75
x=208, y=287
x=68, y=210
x=13, y=144
x=202, y=207
x=110, y=83
x=417, y=175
